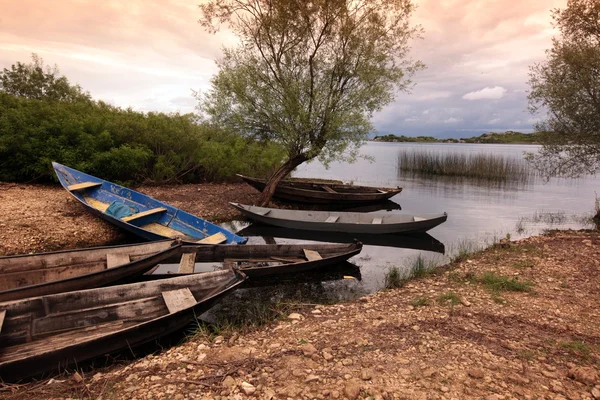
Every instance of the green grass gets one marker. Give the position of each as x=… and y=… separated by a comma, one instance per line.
x=522, y=264
x=577, y=347
x=493, y=167
x=420, y=302
x=499, y=283
x=449, y=298
x=393, y=278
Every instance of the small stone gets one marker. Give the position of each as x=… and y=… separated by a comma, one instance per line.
x=327, y=356
x=308, y=349
x=228, y=381
x=596, y=393
x=219, y=340
x=316, y=311
x=445, y=389
x=248, y=388
x=298, y=372
x=201, y=357
x=416, y=327
x=429, y=372
x=77, y=377
x=311, y=378
x=556, y=387
x=352, y=390
x=476, y=373
x=155, y=378
x=365, y=375
x=465, y=302
x=335, y=394
x=584, y=375
x=347, y=361
x=295, y=316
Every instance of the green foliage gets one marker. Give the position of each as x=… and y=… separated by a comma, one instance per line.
x=451, y=298
x=121, y=145
x=565, y=88
x=308, y=75
x=402, y=138
x=498, y=283
x=509, y=137
x=420, y=302
x=38, y=81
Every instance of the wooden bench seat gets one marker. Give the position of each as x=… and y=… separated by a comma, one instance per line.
x=328, y=189
x=377, y=220
x=144, y=214
x=83, y=185
x=217, y=238
x=312, y=255
x=332, y=218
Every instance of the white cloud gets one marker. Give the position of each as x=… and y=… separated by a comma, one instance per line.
x=494, y=121
x=411, y=119
x=488, y=93
x=452, y=120
x=425, y=112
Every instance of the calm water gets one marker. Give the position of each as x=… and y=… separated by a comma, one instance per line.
x=478, y=214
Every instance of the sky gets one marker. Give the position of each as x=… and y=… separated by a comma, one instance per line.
x=150, y=55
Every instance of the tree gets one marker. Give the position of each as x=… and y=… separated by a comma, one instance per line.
x=308, y=74
x=39, y=81
x=567, y=86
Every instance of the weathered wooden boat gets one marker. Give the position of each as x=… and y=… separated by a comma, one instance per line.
x=138, y=213
x=64, y=271
x=266, y=259
x=49, y=333
x=349, y=222
x=306, y=191
x=416, y=241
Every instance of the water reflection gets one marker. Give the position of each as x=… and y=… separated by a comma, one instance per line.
x=421, y=241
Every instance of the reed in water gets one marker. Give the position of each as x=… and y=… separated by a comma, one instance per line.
x=494, y=167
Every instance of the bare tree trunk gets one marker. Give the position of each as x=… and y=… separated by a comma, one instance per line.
x=282, y=172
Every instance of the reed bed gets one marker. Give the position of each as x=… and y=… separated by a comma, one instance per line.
x=490, y=167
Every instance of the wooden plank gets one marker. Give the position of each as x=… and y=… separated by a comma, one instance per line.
x=186, y=265
x=2, y=315
x=332, y=218
x=417, y=219
x=177, y=300
x=83, y=185
x=214, y=239
x=312, y=255
x=328, y=189
x=114, y=260
x=287, y=259
x=377, y=220
x=144, y=214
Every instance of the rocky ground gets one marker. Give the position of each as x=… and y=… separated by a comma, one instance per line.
x=517, y=321
x=35, y=218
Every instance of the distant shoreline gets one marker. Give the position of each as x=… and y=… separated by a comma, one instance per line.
x=509, y=137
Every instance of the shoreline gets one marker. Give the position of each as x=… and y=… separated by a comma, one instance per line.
x=453, y=334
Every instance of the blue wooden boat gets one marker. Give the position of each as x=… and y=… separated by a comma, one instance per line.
x=138, y=213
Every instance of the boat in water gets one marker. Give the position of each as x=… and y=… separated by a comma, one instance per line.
x=323, y=192
x=138, y=213
x=348, y=222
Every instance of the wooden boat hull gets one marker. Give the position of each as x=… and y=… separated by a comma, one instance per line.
x=417, y=241
x=154, y=221
x=318, y=193
x=64, y=271
x=268, y=259
x=71, y=327
x=331, y=221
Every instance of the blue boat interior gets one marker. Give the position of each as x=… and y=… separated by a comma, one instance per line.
x=153, y=216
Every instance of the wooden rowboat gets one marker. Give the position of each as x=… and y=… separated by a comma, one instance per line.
x=305, y=191
x=49, y=333
x=64, y=271
x=148, y=217
x=349, y=222
x=266, y=259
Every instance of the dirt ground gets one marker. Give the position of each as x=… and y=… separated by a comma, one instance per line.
x=36, y=218
x=516, y=321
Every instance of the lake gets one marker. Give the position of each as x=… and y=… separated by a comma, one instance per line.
x=479, y=213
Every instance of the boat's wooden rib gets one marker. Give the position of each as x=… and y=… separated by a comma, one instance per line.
x=153, y=220
x=52, y=332
x=348, y=222
x=335, y=193
x=63, y=271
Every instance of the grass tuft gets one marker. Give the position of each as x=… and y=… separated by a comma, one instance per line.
x=420, y=302
x=449, y=297
x=499, y=283
x=393, y=278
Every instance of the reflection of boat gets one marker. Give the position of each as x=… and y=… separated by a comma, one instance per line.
x=417, y=241
x=306, y=191
x=271, y=259
x=344, y=270
x=64, y=271
x=138, y=213
x=335, y=221
x=51, y=332
x=386, y=205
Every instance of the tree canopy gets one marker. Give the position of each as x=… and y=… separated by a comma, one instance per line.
x=567, y=86
x=39, y=81
x=308, y=74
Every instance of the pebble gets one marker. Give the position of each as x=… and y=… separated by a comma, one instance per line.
x=352, y=390
x=595, y=393
x=365, y=375
x=476, y=373
x=311, y=378
x=248, y=388
x=347, y=361
x=308, y=349
x=295, y=316
x=219, y=340
x=228, y=381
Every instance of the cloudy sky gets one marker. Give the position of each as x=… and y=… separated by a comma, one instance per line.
x=149, y=55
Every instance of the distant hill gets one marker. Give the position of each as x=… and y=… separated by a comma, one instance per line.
x=509, y=137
